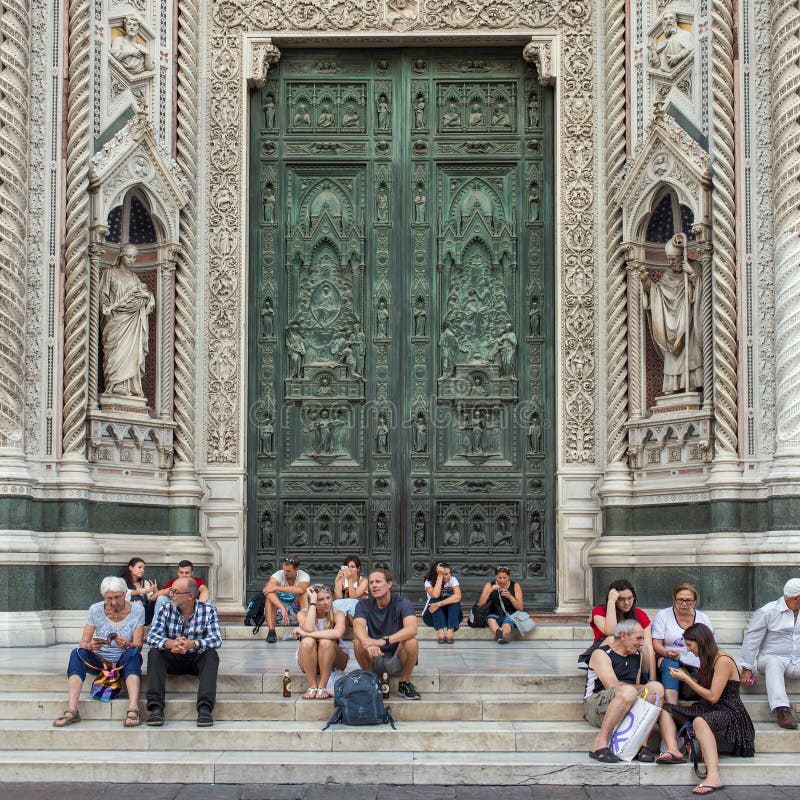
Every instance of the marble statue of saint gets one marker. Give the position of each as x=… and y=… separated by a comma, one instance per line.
x=420, y=433
x=452, y=536
x=506, y=347
x=129, y=51
x=675, y=45
x=503, y=535
x=674, y=309
x=125, y=303
x=296, y=347
x=382, y=435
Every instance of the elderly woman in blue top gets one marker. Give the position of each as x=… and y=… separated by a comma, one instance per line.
x=113, y=633
x=183, y=640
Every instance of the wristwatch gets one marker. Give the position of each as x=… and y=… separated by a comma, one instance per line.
x=386, y=641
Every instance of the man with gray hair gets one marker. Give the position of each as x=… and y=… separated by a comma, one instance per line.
x=613, y=681
x=183, y=640
x=773, y=636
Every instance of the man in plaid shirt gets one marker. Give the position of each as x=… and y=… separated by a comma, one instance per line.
x=183, y=640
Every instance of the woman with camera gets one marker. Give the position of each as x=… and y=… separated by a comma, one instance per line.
x=443, y=605
x=504, y=597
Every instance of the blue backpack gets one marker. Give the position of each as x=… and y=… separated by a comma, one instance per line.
x=357, y=700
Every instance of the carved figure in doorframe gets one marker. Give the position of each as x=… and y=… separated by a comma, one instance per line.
x=534, y=433
x=449, y=348
x=325, y=119
x=503, y=534
x=382, y=435
x=350, y=117
x=381, y=532
x=452, y=116
x=269, y=112
x=358, y=344
x=382, y=204
x=506, y=348
x=535, y=316
x=533, y=110
x=302, y=119
x=480, y=427
x=535, y=531
x=325, y=427
x=673, y=306
x=420, y=433
x=296, y=347
x=419, y=111
x=452, y=536
x=299, y=536
x=127, y=49
x=349, y=360
x=419, y=531
x=325, y=538
x=268, y=201
x=500, y=116
x=420, y=317
x=267, y=318
x=266, y=531
x=533, y=201
x=384, y=114
x=125, y=303
x=475, y=117
x=349, y=537
x=382, y=319
x=267, y=432
x=478, y=536
x=420, y=203
x=675, y=45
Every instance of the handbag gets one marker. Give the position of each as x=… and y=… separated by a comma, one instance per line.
x=477, y=616
x=583, y=658
x=633, y=729
x=521, y=619
x=108, y=683
x=690, y=749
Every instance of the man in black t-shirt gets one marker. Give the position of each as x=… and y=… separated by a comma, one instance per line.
x=385, y=633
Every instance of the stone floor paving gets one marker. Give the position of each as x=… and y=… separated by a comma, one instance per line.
x=123, y=791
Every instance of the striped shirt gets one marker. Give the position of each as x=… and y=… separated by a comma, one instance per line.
x=203, y=626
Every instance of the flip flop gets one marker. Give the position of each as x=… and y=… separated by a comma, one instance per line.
x=311, y=694
x=69, y=717
x=604, y=754
x=710, y=789
x=132, y=718
x=323, y=694
x=669, y=758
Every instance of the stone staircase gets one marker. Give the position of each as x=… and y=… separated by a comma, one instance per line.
x=489, y=715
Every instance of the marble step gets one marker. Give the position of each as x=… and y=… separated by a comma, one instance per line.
x=216, y=765
x=427, y=736
x=556, y=707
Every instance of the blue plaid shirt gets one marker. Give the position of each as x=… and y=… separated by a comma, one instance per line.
x=203, y=626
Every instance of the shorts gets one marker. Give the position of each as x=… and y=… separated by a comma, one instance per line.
x=390, y=664
x=596, y=705
x=347, y=605
x=291, y=613
x=506, y=620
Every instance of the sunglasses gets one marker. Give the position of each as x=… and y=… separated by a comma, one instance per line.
x=292, y=562
x=321, y=587
x=502, y=568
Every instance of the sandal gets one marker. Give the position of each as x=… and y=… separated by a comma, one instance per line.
x=670, y=758
x=323, y=694
x=311, y=694
x=449, y=640
x=441, y=640
x=132, y=718
x=707, y=789
x=69, y=717
x=604, y=754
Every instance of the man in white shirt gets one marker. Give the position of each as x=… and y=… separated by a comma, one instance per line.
x=285, y=591
x=774, y=634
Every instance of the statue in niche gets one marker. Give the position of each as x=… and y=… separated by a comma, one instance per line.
x=350, y=117
x=384, y=115
x=268, y=200
x=503, y=535
x=267, y=318
x=419, y=111
x=382, y=434
x=475, y=115
x=480, y=427
x=358, y=344
x=129, y=51
x=449, y=347
x=476, y=388
x=349, y=537
x=382, y=319
x=452, y=536
x=325, y=119
x=478, y=535
x=674, y=47
x=267, y=434
x=506, y=348
x=420, y=317
x=420, y=202
x=381, y=532
x=534, y=433
x=673, y=306
x=125, y=303
x=269, y=112
x=325, y=387
x=419, y=531
x=451, y=117
x=300, y=535
x=420, y=433
x=296, y=346
x=533, y=201
x=535, y=531
x=535, y=317
x=500, y=117
x=349, y=360
x=302, y=119
x=324, y=427
x=382, y=205
x=325, y=535
x=266, y=531
x=533, y=110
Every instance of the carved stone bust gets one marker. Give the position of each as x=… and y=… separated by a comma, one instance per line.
x=129, y=51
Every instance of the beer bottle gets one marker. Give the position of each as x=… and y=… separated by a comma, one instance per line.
x=385, y=686
x=287, y=684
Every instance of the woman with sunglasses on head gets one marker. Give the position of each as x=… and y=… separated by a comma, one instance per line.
x=720, y=720
x=669, y=627
x=504, y=597
x=443, y=607
x=320, y=630
x=350, y=585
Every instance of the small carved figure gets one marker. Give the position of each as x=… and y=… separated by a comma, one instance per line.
x=673, y=306
x=129, y=51
x=382, y=434
x=382, y=319
x=476, y=388
x=267, y=434
x=535, y=317
x=325, y=119
x=268, y=200
x=419, y=111
x=475, y=115
x=503, y=535
x=535, y=531
x=500, y=117
x=449, y=347
x=349, y=360
x=267, y=318
x=324, y=387
x=302, y=119
x=269, y=112
x=266, y=531
x=533, y=201
x=506, y=348
x=125, y=303
x=325, y=535
x=452, y=116
x=349, y=537
x=479, y=428
x=452, y=536
x=350, y=117
x=381, y=532
x=382, y=205
x=327, y=426
x=384, y=115
x=420, y=317
x=296, y=347
x=419, y=531
x=533, y=110
x=420, y=433
x=420, y=202
x=478, y=535
x=534, y=433
x=358, y=343
x=300, y=536
x=674, y=47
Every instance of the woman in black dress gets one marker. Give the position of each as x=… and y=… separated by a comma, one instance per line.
x=720, y=720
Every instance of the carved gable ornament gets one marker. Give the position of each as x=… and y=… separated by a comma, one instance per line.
x=668, y=157
x=133, y=158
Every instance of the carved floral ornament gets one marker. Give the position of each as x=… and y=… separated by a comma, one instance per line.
x=562, y=44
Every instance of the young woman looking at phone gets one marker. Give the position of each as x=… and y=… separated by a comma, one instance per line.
x=350, y=586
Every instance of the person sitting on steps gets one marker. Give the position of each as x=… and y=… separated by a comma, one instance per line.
x=504, y=597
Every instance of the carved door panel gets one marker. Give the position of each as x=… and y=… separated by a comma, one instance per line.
x=401, y=393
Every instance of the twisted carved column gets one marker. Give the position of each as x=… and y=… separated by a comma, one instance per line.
x=76, y=285
x=616, y=274
x=724, y=215
x=184, y=410
x=14, y=58
x=786, y=176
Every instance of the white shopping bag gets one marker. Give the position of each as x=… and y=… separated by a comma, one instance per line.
x=633, y=729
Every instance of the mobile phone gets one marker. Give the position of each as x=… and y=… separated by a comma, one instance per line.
x=344, y=567
x=98, y=639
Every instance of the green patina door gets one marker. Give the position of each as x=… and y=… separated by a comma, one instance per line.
x=401, y=316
